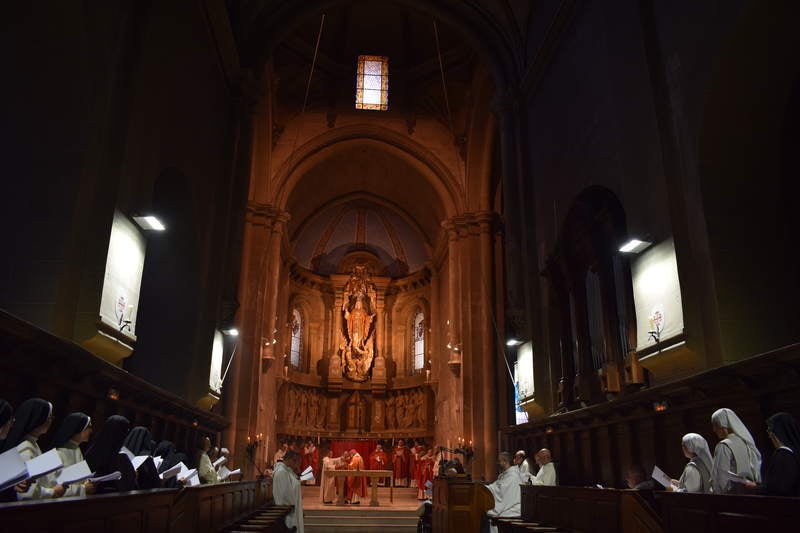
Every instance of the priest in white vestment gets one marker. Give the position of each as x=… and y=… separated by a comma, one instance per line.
x=547, y=470
x=286, y=488
x=327, y=485
x=736, y=452
x=521, y=461
x=506, y=491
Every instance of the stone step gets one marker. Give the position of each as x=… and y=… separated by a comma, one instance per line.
x=360, y=521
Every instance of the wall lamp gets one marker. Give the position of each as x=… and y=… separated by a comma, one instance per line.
x=149, y=223
x=634, y=246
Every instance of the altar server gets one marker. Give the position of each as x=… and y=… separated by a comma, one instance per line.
x=74, y=430
x=33, y=419
x=736, y=452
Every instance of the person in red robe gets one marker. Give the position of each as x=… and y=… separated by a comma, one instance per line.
x=425, y=472
x=356, y=485
x=310, y=457
x=378, y=460
x=417, y=451
x=400, y=458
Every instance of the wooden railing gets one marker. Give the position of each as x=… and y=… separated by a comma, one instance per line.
x=589, y=510
x=598, y=443
x=204, y=509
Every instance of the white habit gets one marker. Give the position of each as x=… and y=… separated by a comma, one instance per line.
x=327, y=485
x=507, y=495
x=546, y=475
x=286, y=491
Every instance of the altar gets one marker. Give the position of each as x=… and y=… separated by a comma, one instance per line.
x=373, y=475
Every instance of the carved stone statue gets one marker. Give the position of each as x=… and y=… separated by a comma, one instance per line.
x=391, y=420
x=358, y=308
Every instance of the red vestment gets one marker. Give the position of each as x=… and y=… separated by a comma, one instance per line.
x=310, y=458
x=357, y=485
x=400, y=457
x=378, y=460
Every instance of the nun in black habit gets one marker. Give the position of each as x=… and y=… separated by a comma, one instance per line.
x=33, y=419
x=783, y=472
x=73, y=431
x=104, y=456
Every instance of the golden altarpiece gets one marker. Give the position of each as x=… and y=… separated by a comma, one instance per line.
x=359, y=388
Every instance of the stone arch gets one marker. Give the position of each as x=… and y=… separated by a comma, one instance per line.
x=316, y=150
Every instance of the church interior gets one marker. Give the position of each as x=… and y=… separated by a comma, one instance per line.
x=487, y=225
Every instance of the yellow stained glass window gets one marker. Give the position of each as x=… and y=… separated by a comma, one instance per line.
x=372, y=83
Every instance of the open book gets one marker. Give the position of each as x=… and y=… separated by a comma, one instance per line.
x=74, y=473
x=11, y=472
x=12, y=469
x=172, y=471
x=307, y=474
x=224, y=473
x=219, y=462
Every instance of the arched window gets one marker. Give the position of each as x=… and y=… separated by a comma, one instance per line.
x=419, y=340
x=297, y=338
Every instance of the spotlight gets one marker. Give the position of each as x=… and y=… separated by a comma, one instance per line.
x=149, y=223
x=634, y=246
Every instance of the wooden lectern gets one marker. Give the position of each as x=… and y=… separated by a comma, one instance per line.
x=459, y=505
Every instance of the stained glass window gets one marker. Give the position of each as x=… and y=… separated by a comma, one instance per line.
x=419, y=341
x=372, y=83
x=297, y=338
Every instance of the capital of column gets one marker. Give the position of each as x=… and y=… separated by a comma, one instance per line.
x=266, y=215
x=474, y=223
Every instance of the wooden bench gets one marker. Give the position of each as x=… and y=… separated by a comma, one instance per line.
x=587, y=510
x=720, y=513
x=459, y=505
x=204, y=509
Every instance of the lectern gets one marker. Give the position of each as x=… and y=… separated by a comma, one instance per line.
x=459, y=504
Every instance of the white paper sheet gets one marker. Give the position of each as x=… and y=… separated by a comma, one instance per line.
x=12, y=469
x=113, y=476
x=219, y=462
x=44, y=464
x=663, y=478
x=138, y=461
x=74, y=473
x=171, y=472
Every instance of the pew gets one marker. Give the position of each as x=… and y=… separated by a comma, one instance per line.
x=718, y=513
x=587, y=510
x=459, y=505
x=205, y=509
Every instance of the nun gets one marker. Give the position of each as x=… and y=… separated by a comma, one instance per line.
x=696, y=476
x=139, y=441
x=782, y=477
x=104, y=456
x=736, y=452
x=73, y=431
x=33, y=419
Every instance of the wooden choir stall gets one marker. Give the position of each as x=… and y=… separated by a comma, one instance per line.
x=459, y=504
